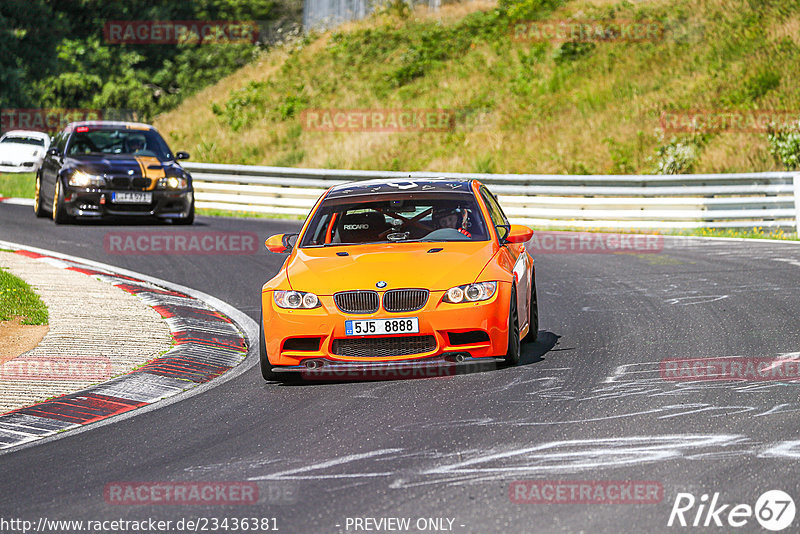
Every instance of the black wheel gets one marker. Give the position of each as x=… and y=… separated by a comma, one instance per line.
x=533, y=317
x=59, y=214
x=514, y=348
x=266, y=367
x=188, y=220
x=38, y=209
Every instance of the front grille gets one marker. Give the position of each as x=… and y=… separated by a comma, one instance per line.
x=405, y=300
x=130, y=208
x=357, y=301
x=376, y=347
x=126, y=182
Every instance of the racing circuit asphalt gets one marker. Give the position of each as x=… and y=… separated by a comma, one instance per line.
x=587, y=403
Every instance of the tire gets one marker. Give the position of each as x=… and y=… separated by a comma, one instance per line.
x=514, y=345
x=59, y=215
x=38, y=208
x=533, y=317
x=266, y=368
x=188, y=220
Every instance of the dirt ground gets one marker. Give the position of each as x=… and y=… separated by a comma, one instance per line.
x=16, y=338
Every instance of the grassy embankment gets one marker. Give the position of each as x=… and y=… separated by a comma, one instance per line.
x=17, y=299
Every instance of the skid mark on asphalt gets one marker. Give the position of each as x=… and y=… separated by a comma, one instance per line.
x=697, y=299
x=301, y=473
x=580, y=455
x=784, y=449
x=790, y=261
x=403, y=469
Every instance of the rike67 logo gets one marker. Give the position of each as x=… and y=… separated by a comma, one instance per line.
x=774, y=510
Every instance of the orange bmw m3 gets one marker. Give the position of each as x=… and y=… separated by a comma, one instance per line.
x=386, y=274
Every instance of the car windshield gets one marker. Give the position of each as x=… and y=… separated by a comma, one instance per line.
x=118, y=141
x=34, y=141
x=395, y=219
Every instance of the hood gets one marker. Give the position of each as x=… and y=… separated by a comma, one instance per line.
x=401, y=265
x=18, y=153
x=123, y=164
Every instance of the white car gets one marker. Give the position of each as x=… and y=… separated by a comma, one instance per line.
x=23, y=150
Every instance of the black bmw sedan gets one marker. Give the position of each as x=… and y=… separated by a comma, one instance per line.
x=103, y=168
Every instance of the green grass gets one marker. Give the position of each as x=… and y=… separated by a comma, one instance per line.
x=17, y=185
x=17, y=299
x=209, y=212
x=742, y=233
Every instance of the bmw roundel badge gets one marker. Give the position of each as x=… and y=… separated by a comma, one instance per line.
x=381, y=284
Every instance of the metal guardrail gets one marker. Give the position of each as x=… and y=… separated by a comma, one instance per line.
x=743, y=200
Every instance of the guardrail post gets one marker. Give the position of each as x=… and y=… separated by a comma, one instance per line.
x=797, y=203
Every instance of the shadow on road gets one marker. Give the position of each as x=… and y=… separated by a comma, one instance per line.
x=534, y=352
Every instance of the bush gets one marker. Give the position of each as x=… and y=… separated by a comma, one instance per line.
x=528, y=9
x=785, y=147
x=678, y=156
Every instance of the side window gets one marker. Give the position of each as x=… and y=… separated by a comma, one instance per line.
x=495, y=211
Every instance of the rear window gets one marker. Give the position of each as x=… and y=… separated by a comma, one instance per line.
x=396, y=219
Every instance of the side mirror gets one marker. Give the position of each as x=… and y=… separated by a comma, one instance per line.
x=519, y=234
x=502, y=232
x=181, y=155
x=53, y=152
x=280, y=243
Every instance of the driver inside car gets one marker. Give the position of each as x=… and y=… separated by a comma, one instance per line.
x=135, y=144
x=447, y=217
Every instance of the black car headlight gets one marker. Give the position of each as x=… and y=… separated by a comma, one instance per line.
x=296, y=300
x=84, y=179
x=471, y=292
x=173, y=182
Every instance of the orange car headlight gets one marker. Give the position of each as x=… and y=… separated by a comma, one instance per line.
x=471, y=292
x=295, y=300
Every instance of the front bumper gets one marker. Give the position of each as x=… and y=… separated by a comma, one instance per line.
x=445, y=365
x=28, y=166
x=96, y=203
x=476, y=330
